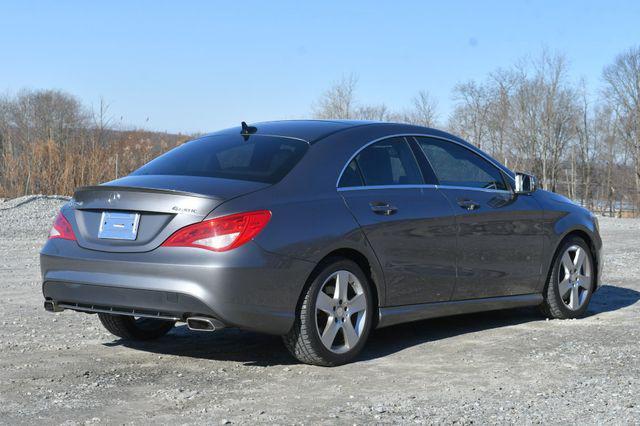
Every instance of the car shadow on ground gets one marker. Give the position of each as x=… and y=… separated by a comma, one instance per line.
x=394, y=339
x=263, y=350
x=387, y=341
x=228, y=344
x=611, y=298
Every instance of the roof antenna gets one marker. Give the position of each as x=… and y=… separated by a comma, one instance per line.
x=247, y=130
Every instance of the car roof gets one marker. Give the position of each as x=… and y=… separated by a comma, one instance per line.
x=314, y=130
x=308, y=130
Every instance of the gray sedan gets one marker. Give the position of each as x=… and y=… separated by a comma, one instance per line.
x=319, y=231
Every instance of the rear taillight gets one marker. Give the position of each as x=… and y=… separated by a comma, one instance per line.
x=222, y=233
x=62, y=229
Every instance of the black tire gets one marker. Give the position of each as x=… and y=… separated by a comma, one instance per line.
x=303, y=340
x=553, y=305
x=131, y=328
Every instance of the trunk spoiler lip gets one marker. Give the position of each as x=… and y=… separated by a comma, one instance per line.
x=105, y=188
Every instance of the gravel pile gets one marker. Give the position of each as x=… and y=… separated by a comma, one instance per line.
x=28, y=216
x=502, y=367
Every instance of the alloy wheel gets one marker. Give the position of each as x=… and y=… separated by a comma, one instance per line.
x=574, y=277
x=341, y=311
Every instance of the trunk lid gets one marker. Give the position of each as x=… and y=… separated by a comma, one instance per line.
x=161, y=205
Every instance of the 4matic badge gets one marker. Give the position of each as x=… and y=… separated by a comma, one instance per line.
x=184, y=210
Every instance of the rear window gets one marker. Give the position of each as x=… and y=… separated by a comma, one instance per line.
x=258, y=158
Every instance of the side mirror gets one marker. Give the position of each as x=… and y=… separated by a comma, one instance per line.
x=525, y=184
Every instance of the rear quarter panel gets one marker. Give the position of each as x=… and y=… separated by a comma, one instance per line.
x=307, y=228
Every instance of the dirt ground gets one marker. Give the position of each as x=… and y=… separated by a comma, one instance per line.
x=501, y=367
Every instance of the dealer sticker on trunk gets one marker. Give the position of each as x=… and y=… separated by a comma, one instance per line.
x=119, y=226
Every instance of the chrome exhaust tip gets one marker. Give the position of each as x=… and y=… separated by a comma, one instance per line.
x=51, y=306
x=204, y=324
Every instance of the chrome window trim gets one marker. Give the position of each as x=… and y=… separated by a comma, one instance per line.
x=374, y=187
x=493, y=162
x=471, y=188
x=423, y=186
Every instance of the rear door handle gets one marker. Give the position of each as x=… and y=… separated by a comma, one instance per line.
x=382, y=208
x=468, y=204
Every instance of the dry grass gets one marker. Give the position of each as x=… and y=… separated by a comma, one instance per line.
x=47, y=167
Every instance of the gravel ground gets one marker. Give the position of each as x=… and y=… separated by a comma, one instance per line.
x=502, y=367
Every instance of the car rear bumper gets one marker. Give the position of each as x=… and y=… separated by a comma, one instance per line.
x=247, y=288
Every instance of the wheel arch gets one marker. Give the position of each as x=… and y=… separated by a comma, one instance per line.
x=363, y=262
x=374, y=276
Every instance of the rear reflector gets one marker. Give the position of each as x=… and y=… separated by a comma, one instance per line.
x=62, y=229
x=221, y=234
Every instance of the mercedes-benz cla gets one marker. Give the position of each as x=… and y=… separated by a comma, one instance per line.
x=319, y=231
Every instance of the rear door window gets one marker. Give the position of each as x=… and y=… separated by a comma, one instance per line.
x=456, y=165
x=257, y=158
x=351, y=176
x=388, y=162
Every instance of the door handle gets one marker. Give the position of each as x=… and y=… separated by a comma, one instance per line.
x=382, y=208
x=468, y=204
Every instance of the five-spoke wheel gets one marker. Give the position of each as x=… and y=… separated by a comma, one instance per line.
x=341, y=311
x=574, y=280
x=571, y=281
x=335, y=315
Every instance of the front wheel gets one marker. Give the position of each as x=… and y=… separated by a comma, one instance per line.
x=571, y=281
x=131, y=328
x=335, y=316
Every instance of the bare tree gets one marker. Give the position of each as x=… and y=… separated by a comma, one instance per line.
x=423, y=111
x=338, y=101
x=607, y=158
x=559, y=114
x=544, y=115
x=588, y=138
x=47, y=115
x=371, y=112
x=102, y=122
x=470, y=115
x=622, y=89
x=501, y=86
x=4, y=133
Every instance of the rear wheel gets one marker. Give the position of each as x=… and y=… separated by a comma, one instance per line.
x=132, y=328
x=335, y=316
x=571, y=281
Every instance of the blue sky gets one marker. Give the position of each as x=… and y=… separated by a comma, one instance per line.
x=200, y=66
